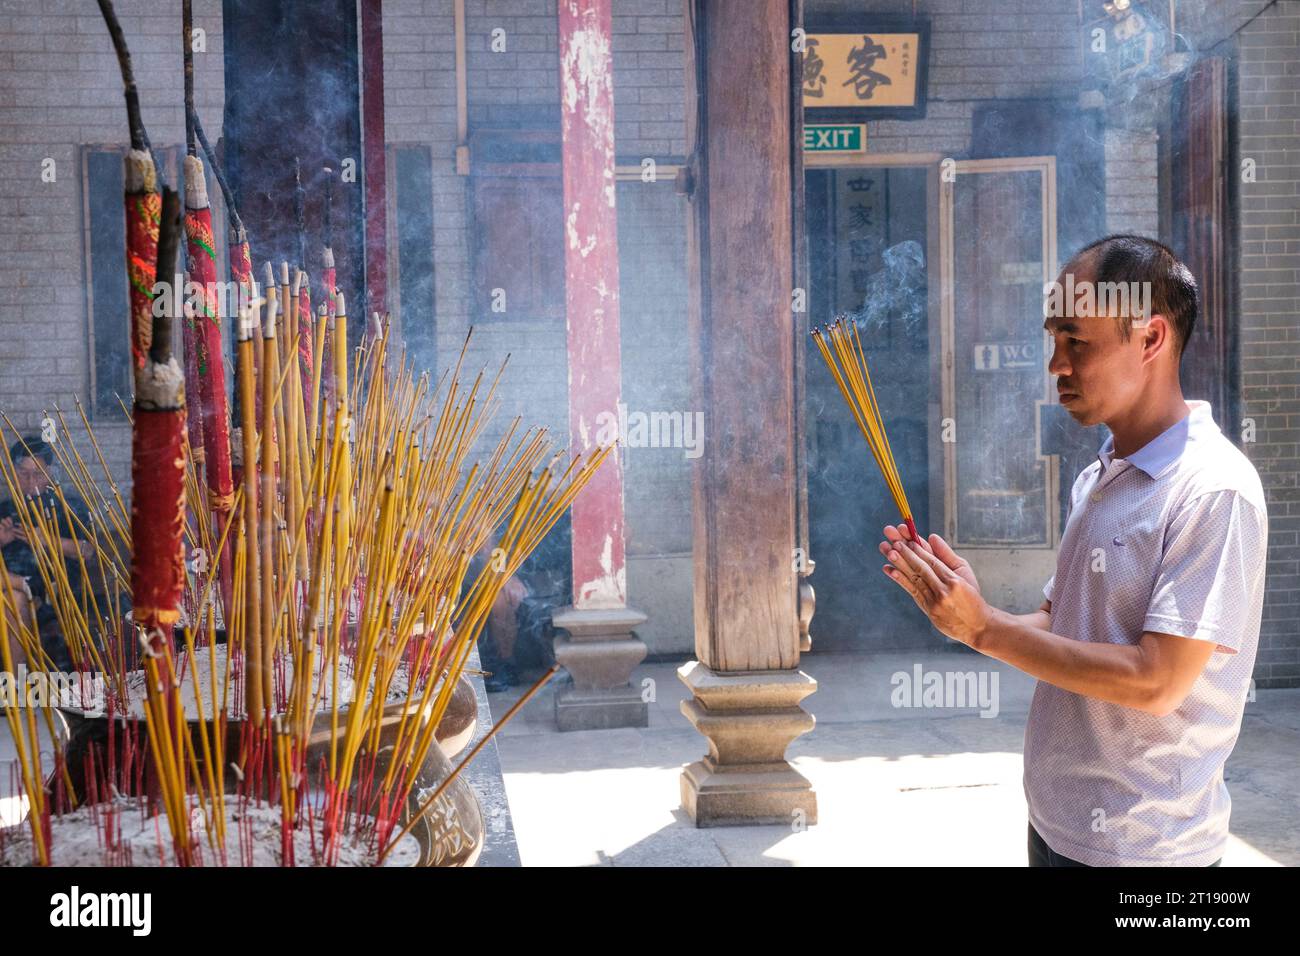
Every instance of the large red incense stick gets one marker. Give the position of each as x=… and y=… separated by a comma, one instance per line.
x=158, y=476
x=157, y=443
x=158, y=537
x=194, y=187
x=306, y=332
x=210, y=384
x=143, y=205
x=211, y=379
x=241, y=259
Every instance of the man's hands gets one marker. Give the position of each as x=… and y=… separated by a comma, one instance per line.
x=72, y=547
x=1153, y=675
x=940, y=582
x=11, y=531
x=935, y=545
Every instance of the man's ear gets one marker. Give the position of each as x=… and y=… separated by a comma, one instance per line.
x=1156, y=332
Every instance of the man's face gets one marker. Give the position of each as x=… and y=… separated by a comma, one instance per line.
x=31, y=477
x=1098, y=374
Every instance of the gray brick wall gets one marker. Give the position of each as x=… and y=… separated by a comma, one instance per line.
x=60, y=89
x=1269, y=211
x=656, y=361
x=519, y=87
x=979, y=50
x=1132, y=182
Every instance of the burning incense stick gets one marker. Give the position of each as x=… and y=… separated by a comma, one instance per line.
x=207, y=390
x=842, y=349
x=352, y=609
x=143, y=205
x=158, y=465
x=252, y=617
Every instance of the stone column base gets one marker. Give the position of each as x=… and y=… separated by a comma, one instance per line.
x=749, y=720
x=599, y=652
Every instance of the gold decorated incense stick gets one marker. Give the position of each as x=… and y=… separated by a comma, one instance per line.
x=354, y=608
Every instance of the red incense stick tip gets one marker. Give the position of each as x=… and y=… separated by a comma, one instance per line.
x=912, y=528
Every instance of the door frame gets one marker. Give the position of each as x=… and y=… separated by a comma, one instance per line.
x=932, y=163
x=1046, y=167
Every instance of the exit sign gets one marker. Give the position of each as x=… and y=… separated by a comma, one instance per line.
x=835, y=137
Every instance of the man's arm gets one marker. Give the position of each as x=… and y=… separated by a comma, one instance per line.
x=72, y=524
x=71, y=547
x=1153, y=675
x=1040, y=619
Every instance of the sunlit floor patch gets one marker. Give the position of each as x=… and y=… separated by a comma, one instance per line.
x=895, y=787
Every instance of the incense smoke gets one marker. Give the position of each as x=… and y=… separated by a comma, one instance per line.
x=896, y=293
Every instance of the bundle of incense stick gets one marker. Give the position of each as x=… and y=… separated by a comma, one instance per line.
x=841, y=347
x=157, y=536
x=351, y=586
x=393, y=504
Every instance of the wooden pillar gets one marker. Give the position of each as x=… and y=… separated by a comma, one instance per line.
x=599, y=650
x=1202, y=231
x=746, y=684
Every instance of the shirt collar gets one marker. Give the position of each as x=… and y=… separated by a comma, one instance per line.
x=1159, y=454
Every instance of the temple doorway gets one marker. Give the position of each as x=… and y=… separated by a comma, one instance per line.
x=869, y=224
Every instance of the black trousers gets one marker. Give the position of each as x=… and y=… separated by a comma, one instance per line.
x=1040, y=854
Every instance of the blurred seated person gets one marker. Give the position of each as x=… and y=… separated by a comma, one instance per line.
x=16, y=605
x=33, y=461
x=518, y=629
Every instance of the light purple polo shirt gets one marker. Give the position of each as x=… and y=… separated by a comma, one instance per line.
x=1171, y=540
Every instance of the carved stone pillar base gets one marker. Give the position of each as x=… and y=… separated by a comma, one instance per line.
x=600, y=653
x=749, y=719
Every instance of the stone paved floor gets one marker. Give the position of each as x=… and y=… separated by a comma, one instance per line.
x=895, y=786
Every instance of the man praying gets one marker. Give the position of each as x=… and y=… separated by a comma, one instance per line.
x=1144, y=646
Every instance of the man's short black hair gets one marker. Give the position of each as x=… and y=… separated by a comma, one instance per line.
x=1124, y=258
x=31, y=446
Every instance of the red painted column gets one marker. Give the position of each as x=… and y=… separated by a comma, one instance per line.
x=591, y=291
x=372, y=145
x=598, y=647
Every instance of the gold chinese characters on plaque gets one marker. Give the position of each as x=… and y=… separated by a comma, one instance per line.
x=847, y=70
